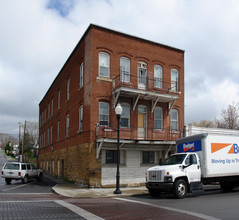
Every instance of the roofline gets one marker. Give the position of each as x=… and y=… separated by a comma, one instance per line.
x=91, y=26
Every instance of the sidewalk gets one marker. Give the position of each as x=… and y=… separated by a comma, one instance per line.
x=72, y=190
x=64, y=188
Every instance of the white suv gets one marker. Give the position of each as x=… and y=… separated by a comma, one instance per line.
x=20, y=171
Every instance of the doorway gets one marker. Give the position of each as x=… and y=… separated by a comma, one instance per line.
x=142, y=121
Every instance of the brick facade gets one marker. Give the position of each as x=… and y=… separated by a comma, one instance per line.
x=80, y=156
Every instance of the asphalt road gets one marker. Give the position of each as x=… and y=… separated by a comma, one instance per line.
x=35, y=200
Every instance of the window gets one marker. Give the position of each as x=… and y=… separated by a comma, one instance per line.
x=158, y=118
x=49, y=110
x=148, y=157
x=58, y=130
x=104, y=113
x=48, y=136
x=158, y=76
x=125, y=117
x=174, y=80
x=51, y=133
x=174, y=119
x=81, y=75
x=68, y=90
x=104, y=64
x=52, y=107
x=67, y=125
x=142, y=75
x=193, y=159
x=111, y=156
x=81, y=118
x=124, y=69
x=59, y=99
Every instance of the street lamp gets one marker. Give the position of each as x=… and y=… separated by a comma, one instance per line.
x=118, y=112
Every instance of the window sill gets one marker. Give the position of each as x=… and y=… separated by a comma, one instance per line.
x=176, y=92
x=104, y=79
x=159, y=131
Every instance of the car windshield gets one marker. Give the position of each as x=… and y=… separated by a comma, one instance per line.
x=174, y=159
x=12, y=166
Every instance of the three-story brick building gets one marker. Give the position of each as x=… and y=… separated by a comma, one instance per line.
x=77, y=118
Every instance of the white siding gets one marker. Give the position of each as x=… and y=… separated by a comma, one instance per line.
x=131, y=171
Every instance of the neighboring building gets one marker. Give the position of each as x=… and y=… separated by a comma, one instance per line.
x=77, y=114
x=192, y=130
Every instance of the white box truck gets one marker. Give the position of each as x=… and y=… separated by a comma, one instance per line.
x=200, y=159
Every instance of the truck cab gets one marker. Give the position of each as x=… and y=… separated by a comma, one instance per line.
x=180, y=173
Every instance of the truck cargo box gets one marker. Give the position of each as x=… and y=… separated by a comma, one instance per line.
x=219, y=154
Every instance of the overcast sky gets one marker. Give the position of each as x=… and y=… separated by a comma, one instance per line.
x=38, y=36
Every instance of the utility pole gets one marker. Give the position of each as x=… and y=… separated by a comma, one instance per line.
x=23, y=140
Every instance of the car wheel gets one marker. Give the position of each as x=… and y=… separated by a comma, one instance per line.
x=180, y=189
x=25, y=179
x=39, y=178
x=8, y=181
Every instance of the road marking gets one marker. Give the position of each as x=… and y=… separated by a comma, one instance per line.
x=16, y=187
x=171, y=209
x=79, y=211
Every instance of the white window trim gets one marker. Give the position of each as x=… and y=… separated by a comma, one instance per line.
x=161, y=125
x=81, y=118
x=81, y=74
x=158, y=80
x=177, y=121
x=108, y=114
x=108, y=74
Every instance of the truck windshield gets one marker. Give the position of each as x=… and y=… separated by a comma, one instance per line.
x=174, y=159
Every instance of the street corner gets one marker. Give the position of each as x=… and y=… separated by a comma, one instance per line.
x=74, y=191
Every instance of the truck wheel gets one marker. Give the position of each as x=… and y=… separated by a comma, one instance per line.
x=25, y=179
x=154, y=192
x=180, y=189
x=8, y=181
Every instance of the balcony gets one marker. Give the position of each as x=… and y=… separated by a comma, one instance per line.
x=154, y=90
x=152, y=134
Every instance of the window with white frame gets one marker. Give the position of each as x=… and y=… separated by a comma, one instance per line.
x=51, y=133
x=68, y=90
x=158, y=118
x=125, y=117
x=174, y=119
x=174, y=79
x=81, y=118
x=158, y=76
x=67, y=125
x=104, y=113
x=52, y=107
x=58, y=130
x=104, y=65
x=124, y=69
x=81, y=74
x=59, y=99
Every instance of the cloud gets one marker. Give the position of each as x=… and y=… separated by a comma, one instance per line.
x=37, y=37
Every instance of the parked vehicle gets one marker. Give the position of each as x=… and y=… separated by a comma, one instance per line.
x=20, y=171
x=201, y=159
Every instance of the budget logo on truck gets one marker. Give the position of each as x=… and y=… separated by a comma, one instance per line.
x=233, y=148
x=189, y=147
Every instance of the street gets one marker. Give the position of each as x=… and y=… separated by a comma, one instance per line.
x=35, y=200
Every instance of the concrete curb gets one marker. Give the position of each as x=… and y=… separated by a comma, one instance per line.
x=75, y=191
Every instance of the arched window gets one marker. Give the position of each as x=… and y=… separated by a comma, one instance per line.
x=104, y=65
x=158, y=118
x=104, y=113
x=124, y=69
x=174, y=79
x=158, y=76
x=174, y=119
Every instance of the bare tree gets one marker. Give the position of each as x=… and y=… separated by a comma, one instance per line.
x=229, y=117
x=204, y=123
